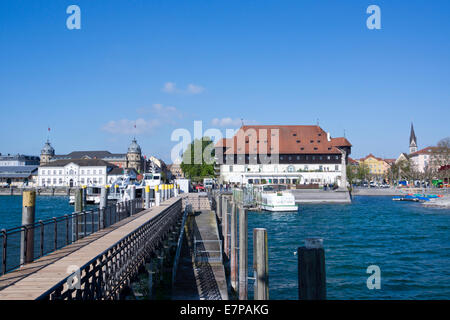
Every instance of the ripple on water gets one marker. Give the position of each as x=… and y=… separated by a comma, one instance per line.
x=408, y=241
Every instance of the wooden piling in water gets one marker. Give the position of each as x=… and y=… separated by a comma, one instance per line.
x=27, y=235
x=243, y=254
x=102, y=206
x=311, y=271
x=225, y=227
x=78, y=207
x=261, y=264
x=234, y=242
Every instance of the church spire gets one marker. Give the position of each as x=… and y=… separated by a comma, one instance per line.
x=412, y=140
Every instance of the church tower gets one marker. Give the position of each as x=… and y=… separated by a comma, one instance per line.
x=134, y=156
x=412, y=140
x=47, y=153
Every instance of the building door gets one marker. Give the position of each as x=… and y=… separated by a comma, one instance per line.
x=71, y=183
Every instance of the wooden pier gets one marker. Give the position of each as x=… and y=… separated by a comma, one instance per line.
x=36, y=280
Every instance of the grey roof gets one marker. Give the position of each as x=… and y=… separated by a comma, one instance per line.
x=134, y=147
x=91, y=155
x=18, y=157
x=17, y=171
x=80, y=162
x=48, y=149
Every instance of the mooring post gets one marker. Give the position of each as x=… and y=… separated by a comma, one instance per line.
x=225, y=227
x=84, y=196
x=219, y=207
x=150, y=278
x=147, y=197
x=11, y=190
x=102, y=207
x=132, y=197
x=311, y=270
x=53, y=191
x=157, y=196
x=234, y=239
x=261, y=264
x=27, y=235
x=78, y=207
x=243, y=254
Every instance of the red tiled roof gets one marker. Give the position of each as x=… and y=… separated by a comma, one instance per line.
x=426, y=150
x=298, y=139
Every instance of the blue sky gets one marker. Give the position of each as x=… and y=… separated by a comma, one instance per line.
x=163, y=64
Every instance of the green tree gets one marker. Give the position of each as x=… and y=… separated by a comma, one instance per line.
x=351, y=174
x=198, y=159
x=363, y=172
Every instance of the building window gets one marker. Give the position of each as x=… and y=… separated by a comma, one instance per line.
x=231, y=168
x=291, y=169
x=336, y=167
x=298, y=157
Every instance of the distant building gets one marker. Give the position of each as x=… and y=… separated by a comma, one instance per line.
x=18, y=160
x=18, y=176
x=296, y=154
x=131, y=159
x=377, y=166
x=175, y=171
x=73, y=173
x=18, y=170
x=423, y=159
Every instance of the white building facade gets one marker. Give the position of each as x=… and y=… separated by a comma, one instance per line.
x=73, y=173
x=291, y=155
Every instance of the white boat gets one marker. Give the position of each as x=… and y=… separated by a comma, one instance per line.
x=152, y=179
x=92, y=195
x=276, y=198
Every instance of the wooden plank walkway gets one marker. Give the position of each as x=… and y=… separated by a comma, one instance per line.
x=32, y=280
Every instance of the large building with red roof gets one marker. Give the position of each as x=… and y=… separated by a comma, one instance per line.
x=294, y=154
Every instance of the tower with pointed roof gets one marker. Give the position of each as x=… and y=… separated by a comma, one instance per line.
x=47, y=153
x=134, y=156
x=412, y=140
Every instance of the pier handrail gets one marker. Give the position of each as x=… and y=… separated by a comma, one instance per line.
x=103, y=276
x=54, y=233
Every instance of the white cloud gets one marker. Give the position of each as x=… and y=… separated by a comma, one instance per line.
x=171, y=87
x=166, y=113
x=226, y=122
x=194, y=89
x=230, y=122
x=126, y=126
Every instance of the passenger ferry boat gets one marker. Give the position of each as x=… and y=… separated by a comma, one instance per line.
x=92, y=195
x=275, y=198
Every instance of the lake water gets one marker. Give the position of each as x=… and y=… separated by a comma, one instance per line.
x=46, y=207
x=410, y=244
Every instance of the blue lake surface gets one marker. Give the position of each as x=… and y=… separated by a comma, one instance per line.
x=410, y=244
x=46, y=207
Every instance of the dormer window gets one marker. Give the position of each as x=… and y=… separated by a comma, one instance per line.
x=294, y=134
x=311, y=141
x=298, y=141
